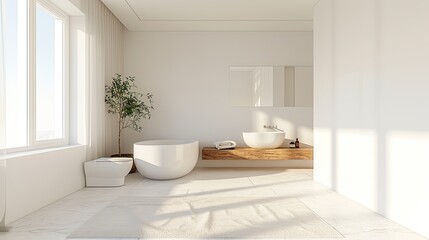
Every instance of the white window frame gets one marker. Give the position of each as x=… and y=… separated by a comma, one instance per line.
x=32, y=143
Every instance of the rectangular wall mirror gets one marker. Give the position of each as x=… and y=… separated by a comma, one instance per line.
x=271, y=86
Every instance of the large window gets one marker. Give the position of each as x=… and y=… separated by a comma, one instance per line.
x=49, y=75
x=36, y=64
x=15, y=72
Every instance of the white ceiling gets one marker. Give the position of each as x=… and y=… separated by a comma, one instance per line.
x=214, y=15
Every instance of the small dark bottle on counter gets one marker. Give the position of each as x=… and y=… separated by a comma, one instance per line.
x=297, y=143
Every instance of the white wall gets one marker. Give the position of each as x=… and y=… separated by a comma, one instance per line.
x=188, y=73
x=2, y=130
x=38, y=179
x=241, y=88
x=371, y=131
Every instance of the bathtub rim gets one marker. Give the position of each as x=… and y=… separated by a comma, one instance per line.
x=166, y=142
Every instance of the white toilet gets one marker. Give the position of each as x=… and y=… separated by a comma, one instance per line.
x=107, y=172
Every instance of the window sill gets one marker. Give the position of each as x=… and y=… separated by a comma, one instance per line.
x=40, y=151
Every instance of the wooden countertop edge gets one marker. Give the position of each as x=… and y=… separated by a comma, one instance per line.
x=246, y=153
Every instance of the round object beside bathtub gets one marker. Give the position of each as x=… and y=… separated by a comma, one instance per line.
x=165, y=159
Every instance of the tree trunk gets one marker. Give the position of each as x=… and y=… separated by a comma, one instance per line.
x=119, y=136
x=133, y=169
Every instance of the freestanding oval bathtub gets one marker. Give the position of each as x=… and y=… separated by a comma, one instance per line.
x=165, y=159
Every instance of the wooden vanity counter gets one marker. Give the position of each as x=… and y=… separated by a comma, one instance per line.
x=246, y=153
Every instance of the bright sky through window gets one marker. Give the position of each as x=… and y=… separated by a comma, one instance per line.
x=15, y=53
x=49, y=75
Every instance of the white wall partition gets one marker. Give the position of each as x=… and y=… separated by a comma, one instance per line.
x=371, y=131
x=2, y=132
x=50, y=175
x=188, y=73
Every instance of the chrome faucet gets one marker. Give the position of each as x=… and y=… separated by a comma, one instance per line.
x=274, y=127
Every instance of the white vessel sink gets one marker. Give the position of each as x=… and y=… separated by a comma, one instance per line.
x=264, y=139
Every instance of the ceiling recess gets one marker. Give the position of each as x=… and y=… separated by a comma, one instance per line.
x=214, y=15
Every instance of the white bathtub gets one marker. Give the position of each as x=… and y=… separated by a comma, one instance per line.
x=165, y=159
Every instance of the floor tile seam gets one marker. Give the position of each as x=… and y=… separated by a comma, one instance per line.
x=274, y=191
x=20, y=221
x=156, y=188
x=107, y=204
x=321, y=218
x=253, y=184
x=309, y=174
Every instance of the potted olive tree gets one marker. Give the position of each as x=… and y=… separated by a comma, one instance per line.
x=129, y=106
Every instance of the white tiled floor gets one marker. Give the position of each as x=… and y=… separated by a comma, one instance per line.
x=353, y=221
